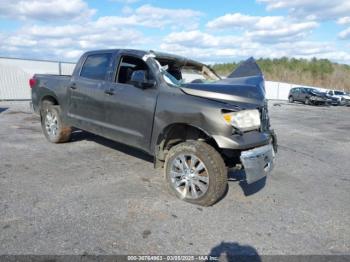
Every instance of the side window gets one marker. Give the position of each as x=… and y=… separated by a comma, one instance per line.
x=129, y=64
x=96, y=66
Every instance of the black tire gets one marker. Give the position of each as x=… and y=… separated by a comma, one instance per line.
x=215, y=170
x=307, y=101
x=63, y=132
x=291, y=99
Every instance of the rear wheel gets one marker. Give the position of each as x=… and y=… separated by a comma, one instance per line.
x=291, y=99
x=52, y=125
x=196, y=173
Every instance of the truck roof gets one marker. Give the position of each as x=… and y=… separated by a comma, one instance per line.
x=133, y=51
x=159, y=55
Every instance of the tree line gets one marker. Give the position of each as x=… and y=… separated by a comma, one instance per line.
x=314, y=72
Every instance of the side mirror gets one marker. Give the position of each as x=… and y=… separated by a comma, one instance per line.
x=139, y=79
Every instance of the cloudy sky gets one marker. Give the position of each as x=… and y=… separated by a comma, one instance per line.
x=207, y=30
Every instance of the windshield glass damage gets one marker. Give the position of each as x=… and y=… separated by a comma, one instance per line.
x=177, y=71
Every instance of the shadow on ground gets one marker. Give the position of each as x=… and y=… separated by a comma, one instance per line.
x=79, y=135
x=297, y=103
x=239, y=176
x=233, y=251
x=234, y=175
x=3, y=109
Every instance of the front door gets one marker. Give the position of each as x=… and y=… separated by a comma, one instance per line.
x=87, y=93
x=130, y=109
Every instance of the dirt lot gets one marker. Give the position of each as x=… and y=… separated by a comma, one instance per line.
x=95, y=196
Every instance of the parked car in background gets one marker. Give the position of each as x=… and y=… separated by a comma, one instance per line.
x=341, y=97
x=347, y=100
x=309, y=96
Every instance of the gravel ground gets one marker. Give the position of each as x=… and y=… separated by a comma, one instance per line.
x=95, y=196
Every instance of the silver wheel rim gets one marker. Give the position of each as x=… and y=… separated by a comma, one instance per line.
x=51, y=124
x=189, y=176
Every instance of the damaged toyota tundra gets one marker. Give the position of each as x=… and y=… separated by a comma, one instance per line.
x=194, y=123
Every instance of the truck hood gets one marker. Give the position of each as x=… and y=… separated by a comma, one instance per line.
x=319, y=94
x=243, y=85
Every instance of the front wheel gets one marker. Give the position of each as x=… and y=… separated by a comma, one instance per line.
x=52, y=125
x=196, y=173
x=291, y=99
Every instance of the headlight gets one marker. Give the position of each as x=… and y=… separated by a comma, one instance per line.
x=244, y=120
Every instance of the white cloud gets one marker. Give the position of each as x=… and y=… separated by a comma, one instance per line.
x=285, y=32
x=344, y=20
x=321, y=10
x=212, y=48
x=345, y=34
x=154, y=17
x=265, y=28
x=311, y=9
x=45, y=10
x=54, y=31
x=232, y=36
x=125, y=1
x=200, y=39
x=68, y=41
x=232, y=20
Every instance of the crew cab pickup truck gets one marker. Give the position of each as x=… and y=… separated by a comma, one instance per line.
x=180, y=111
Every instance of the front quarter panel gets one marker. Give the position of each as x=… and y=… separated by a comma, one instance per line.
x=175, y=107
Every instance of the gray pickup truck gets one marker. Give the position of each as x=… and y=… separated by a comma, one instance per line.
x=180, y=111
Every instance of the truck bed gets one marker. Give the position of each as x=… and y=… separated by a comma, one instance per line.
x=49, y=84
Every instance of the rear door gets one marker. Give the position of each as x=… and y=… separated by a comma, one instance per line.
x=296, y=93
x=130, y=109
x=302, y=94
x=87, y=92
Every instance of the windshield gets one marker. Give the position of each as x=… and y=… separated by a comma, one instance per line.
x=201, y=74
x=187, y=75
x=312, y=90
x=177, y=72
x=170, y=79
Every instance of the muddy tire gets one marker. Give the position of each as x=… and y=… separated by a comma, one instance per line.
x=196, y=173
x=52, y=125
x=291, y=99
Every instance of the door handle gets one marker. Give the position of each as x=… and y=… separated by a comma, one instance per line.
x=73, y=86
x=109, y=92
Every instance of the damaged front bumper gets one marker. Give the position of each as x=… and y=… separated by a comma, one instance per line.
x=258, y=162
